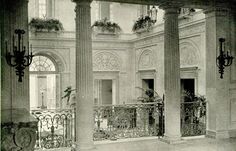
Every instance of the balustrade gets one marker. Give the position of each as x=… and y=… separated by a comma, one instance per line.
x=55, y=128
x=128, y=121
x=193, y=118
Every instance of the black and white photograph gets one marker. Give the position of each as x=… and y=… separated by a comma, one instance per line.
x=118, y=75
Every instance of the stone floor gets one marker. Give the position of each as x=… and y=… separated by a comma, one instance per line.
x=154, y=144
x=201, y=144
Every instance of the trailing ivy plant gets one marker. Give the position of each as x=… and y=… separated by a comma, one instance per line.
x=143, y=23
x=39, y=24
x=106, y=25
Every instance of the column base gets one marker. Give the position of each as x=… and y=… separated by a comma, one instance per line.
x=84, y=148
x=220, y=134
x=172, y=140
x=18, y=130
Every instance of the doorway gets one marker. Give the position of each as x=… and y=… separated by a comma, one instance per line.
x=106, y=91
x=43, y=83
x=147, y=84
x=103, y=91
x=187, y=86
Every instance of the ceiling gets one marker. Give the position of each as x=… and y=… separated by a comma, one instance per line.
x=202, y=4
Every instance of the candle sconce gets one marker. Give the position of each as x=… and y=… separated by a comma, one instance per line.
x=18, y=59
x=224, y=59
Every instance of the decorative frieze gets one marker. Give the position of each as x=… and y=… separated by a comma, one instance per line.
x=188, y=55
x=146, y=60
x=106, y=61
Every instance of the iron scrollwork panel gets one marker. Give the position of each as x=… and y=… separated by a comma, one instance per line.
x=55, y=128
x=193, y=118
x=128, y=121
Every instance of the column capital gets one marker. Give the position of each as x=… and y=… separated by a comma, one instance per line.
x=216, y=11
x=82, y=1
x=170, y=6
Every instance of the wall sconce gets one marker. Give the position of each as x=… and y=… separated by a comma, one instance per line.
x=153, y=13
x=224, y=59
x=18, y=59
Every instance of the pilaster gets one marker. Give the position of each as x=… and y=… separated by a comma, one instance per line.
x=14, y=16
x=84, y=76
x=217, y=90
x=18, y=127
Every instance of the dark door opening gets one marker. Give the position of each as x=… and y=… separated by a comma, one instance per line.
x=187, y=86
x=106, y=91
x=147, y=84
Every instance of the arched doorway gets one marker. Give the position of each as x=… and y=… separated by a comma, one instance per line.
x=43, y=84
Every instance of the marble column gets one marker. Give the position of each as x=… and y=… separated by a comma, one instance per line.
x=217, y=90
x=171, y=75
x=14, y=15
x=84, y=76
x=18, y=127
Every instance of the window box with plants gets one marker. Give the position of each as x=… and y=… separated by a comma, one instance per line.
x=45, y=25
x=143, y=24
x=105, y=26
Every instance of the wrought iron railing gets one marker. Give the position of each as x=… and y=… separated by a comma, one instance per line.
x=55, y=128
x=193, y=118
x=113, y=122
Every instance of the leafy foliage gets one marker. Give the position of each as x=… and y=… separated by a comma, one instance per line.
x=143, y=23
x=106, y=25
x=190, y=97
x=39, y=24
x=194, y=103
x=150, y=96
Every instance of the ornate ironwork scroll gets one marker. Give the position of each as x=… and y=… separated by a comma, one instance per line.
x=55, y=128
x=193, y=118
x=128, y=121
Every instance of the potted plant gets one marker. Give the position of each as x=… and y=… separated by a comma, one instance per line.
x=39, y=24
x=150, y=96
x=105, y=26
x=143, y=24
x=185, y=13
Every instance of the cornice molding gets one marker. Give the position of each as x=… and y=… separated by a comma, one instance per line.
x=82, y=2
x=171, y=6
x=219, y=11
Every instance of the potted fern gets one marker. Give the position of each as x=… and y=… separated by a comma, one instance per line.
x=48, y=25
x=143, y=24
x=106, y=26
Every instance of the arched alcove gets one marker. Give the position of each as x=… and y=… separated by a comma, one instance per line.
x=146, y=60
x=43, y=83
x=189, y=55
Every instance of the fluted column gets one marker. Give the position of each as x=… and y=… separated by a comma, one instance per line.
x=16, y=122
x=172, y=75
x=84, y=76
x=14, y=15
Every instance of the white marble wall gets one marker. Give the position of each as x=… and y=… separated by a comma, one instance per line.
x=130, y=58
